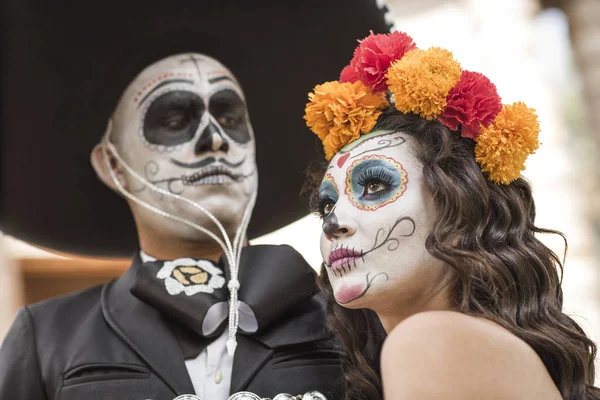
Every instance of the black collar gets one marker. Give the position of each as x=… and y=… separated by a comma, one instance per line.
x=275, y=281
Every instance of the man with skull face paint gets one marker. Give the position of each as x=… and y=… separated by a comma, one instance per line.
x=183, y=125
x=180, y=148
x=188, y=145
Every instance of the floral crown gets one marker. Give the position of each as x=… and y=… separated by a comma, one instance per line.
x=431, y=84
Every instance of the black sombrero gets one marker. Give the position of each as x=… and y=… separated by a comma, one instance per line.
x=65, y=63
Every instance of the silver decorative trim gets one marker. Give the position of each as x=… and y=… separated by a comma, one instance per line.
x=285, y=396
x=313, y=395
x=244, y=396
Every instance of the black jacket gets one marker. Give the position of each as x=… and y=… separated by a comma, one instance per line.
x=105, y=343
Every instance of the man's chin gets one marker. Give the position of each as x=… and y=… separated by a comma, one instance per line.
x=210, y=196
x=228, y=210
x=229, y=213
x=222, y=206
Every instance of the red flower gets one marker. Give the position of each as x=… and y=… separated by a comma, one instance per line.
x=348, y=74
x=375, y=54
x=473, y=102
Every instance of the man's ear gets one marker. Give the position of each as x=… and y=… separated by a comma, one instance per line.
x=98, y=162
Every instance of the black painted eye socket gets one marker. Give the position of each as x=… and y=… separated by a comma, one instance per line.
x=230, y=112
x=328, y=207
x=173, y=118
x=328, y=196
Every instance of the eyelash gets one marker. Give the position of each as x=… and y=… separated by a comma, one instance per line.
x=375, y=174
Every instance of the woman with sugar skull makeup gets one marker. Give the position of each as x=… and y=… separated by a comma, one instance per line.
x=199, y=314
x=428, y=224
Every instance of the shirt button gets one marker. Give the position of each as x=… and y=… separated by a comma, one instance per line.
x=218, y=376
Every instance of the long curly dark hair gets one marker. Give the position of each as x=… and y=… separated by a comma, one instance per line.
x=486, y=233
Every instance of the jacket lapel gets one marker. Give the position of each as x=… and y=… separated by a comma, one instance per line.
x=281, y=288
x=250, y=356
x=305, y=323
x=146, y=331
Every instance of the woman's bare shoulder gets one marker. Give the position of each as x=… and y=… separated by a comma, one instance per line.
x=449, y=355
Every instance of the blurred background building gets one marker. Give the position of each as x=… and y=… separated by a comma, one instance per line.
x=543, y=52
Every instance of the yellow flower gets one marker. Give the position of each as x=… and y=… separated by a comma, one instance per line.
x=421, y=80
x=339, y=113
x=503, y=147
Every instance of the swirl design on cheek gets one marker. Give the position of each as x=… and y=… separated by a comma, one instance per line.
x=375, y=181
x=151, y=169
x=382, y=238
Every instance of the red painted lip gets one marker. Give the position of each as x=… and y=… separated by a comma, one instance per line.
x=343, y=255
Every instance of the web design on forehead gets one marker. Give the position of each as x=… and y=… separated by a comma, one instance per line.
x=195, y=60
x=212, y=77
x=383, y=141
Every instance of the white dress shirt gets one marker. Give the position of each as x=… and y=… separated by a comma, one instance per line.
x=210, y=372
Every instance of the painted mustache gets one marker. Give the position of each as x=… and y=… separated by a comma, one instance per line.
x=207, y=161
x=343, y=257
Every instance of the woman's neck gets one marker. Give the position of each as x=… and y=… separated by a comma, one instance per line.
x=392, y=315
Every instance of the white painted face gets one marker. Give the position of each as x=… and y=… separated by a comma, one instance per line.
x=183, y=125
x=377, y=213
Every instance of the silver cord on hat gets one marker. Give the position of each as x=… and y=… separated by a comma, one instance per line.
x=232, y=253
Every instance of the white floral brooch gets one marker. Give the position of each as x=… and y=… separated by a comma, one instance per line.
x=190, y=276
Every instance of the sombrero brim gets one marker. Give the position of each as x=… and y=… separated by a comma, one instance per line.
x=65, y=64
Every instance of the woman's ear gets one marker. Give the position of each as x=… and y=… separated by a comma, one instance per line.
x=97, y=158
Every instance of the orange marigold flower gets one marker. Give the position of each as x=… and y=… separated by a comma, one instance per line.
x=503, y=147
x=339, y=113
x=421, y=80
